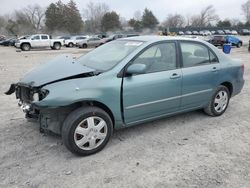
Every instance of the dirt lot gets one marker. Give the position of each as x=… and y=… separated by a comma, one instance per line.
x=188, y=150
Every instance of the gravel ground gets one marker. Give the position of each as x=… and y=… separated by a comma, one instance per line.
x=187, y=150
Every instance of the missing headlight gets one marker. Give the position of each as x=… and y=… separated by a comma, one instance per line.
x=40, y=95
x=36, y=97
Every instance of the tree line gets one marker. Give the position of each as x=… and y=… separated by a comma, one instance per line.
x=62, y=17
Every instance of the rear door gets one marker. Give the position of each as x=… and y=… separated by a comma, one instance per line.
x=45, y=41
x=200, y=70
x=157, y=92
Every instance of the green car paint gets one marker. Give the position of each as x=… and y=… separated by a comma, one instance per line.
x=131, y=99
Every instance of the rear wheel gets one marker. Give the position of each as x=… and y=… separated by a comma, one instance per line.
x=87, y=130
x=85, y=46
x=239, y=45
x=219, y=102
x=25, y=47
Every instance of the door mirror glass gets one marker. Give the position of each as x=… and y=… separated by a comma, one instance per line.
x=136, y=69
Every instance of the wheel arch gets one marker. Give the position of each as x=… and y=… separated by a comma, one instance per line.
x=25, y=43
x=229, y=86
x=96, y=104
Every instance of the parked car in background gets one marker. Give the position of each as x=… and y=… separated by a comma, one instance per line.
x=205, y=33
x=130, y=35
x=124, y=83
x=111, y=38
x=219, y=40
x=227, y=32
x=245, y=32
x=219, y=32
x=8, y=42
x=234, y=32
x=39, y=41
x=73, y=40
x=180, y=33
x=91, y=42
x=188, y=33
x=212, y=32
x=101, y=35
x=195, y=33
x=67, y=37
x=235, y=41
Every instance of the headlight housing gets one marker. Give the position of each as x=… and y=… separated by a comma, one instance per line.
x=40, y=95
x=36, y=97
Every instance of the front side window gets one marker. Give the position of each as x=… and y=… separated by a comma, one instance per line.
x=160, y=57
x=36, y=37
x=194, y=54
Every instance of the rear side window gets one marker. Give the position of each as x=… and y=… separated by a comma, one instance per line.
x=44, y=37
x=194, y=54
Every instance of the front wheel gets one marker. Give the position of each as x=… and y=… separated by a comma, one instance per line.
x=87, y=130
x=219, y=102
x=25, y=47
x=57, y=46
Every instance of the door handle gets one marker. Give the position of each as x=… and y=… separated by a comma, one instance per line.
x=175, y=76
x=214, y=69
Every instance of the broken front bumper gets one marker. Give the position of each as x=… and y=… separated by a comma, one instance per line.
x=50, y=119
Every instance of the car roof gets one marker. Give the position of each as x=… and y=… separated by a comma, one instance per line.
x=156, y=38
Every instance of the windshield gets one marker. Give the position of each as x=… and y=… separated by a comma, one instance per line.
x=107, y=56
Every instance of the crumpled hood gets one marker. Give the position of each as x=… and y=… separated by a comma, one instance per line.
x=59, y=68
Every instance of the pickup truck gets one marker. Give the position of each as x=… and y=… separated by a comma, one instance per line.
x=39, y=41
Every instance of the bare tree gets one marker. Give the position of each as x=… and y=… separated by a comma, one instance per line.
x=206, y=17
x=3, y=24
x=246, y=10
x=174, y=21
x=93, y=15
x=35, y=14
x=30, y=18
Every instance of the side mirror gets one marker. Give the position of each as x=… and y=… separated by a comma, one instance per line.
x=136, y=69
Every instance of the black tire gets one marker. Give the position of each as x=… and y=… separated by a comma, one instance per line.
x=25, y=47
x=239, y=45
x=70, y=45
x=57, y=46
x=84, y=46
x=210, y=109
x=71, y=123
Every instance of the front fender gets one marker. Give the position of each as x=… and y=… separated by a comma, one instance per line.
x=101, y=89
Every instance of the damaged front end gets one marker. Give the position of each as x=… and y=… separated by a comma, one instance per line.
x=27, y=95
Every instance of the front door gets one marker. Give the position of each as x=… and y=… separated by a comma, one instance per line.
x=157, y=92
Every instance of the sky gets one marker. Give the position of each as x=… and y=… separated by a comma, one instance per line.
x=161, y=8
